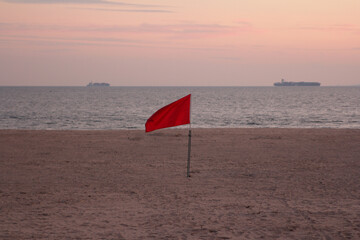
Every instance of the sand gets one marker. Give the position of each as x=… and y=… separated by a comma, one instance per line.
x=244, y=184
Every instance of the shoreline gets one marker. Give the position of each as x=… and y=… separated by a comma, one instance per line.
x=184, y=128
x=246, y=183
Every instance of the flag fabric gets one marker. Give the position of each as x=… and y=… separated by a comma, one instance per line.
x=174, y=114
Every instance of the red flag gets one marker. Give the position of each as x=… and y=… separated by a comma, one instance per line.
x=174, y=114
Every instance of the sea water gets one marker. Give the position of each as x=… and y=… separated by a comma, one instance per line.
x=211, y=107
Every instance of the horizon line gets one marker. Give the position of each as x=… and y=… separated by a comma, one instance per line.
x=355, y=85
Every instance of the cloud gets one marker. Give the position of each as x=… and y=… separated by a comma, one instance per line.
x=128, y=10
x=106, y=2
x=244, y=23
x=80, y=39
x=332, y=28
x=160, y=35
x=172, y=29
x=181, y=29
x=59, y=43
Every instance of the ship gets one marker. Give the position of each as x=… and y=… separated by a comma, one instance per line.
x=91, y=84
x=291, y=84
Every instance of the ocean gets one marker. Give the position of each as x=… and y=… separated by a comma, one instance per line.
x=98, y=108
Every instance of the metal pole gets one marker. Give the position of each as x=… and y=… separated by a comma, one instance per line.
x=189, y=150
x=189, y=145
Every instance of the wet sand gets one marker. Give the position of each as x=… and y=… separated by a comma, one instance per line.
x=244, y=184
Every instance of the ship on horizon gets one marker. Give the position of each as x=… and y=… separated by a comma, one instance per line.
x=91, y=84
x=291, y=84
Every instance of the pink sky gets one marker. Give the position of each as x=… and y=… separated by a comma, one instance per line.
x=179, y=43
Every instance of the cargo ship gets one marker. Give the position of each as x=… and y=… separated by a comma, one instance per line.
x=291, y=84
x=91, y=84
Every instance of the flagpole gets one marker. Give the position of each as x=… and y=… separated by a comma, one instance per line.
x=189, y=150
x=189, y=146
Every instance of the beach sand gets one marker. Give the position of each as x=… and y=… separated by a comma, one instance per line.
x=244, y=184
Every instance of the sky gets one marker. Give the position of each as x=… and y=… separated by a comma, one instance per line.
x=179, y=43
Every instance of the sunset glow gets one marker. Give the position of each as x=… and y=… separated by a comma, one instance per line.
x=179, y=43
